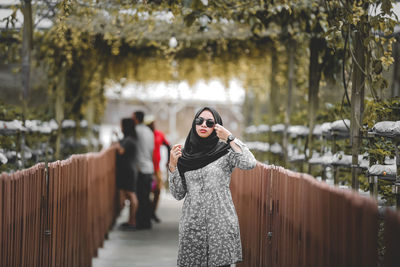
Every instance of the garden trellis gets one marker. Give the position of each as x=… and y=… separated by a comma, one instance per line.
x=39, y=141
x=328, y=155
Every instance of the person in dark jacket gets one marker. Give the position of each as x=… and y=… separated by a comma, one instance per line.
x=126, y=173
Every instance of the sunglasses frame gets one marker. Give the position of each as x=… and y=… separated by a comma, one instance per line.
x=200, y=120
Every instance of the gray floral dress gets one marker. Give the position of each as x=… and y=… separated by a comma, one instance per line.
x=208, y=228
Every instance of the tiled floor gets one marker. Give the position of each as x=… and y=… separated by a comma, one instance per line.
x=155, y=247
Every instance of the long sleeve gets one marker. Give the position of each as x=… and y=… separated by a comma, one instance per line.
x=244, y=160
x=176, y=186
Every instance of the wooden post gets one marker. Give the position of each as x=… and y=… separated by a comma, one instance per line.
x=372, y=180
x=323, y=173
x=397, y=183
x=357, y=104
x=373, y=186
x=397, y=149
x=335, y=168
x=290, y=48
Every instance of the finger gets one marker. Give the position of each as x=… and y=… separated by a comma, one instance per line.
x=175, y=146
x=177, y=154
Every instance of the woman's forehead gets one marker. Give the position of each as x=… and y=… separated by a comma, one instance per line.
x=206, y=114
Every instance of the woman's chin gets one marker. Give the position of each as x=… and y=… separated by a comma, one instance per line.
x=203, y=135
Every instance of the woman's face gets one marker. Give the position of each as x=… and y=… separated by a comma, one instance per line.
x=202, y=130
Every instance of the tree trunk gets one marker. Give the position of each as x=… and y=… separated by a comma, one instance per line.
x=314, y=77
x=257, y=105
x=357, y=104
x=274, y=91
x=273, y=97
x=396, y=69
x=90, y=116
x=27, y=44
x=247, y=107
x=59, y=109
x=288, y=111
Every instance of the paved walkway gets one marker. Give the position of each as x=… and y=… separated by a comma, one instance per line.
x=155, y=247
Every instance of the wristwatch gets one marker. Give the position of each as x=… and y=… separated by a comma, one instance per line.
x=230, y=138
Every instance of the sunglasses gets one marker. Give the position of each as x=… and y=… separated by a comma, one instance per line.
x=199, y=121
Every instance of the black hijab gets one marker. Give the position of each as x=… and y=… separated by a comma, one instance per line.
x=198, y=151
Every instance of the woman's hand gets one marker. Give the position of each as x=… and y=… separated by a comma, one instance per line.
x=221, y=132
x=176, y=153
x=119, y=148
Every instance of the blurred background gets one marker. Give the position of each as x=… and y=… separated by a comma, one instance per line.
x=277, y=71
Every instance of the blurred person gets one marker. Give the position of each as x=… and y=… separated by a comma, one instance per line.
x=126, y=173
x=201, y=172
x=145, y=146
x=159, y=140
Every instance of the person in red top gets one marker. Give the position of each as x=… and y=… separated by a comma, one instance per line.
x=159, y=140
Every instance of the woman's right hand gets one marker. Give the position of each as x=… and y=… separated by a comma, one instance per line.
x=176, y=153
x=119, y=148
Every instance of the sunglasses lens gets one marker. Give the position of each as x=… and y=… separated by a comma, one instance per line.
x=199, y=121
x=210, y=123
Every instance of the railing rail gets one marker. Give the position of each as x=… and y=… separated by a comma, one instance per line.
x=290, y=219
x=59, y=216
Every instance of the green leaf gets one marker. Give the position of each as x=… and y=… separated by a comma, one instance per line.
x=377, y=66
x=197, y=5
x=367, y=40
x=386, y=6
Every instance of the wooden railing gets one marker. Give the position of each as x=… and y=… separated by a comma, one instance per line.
x=290, y=219
x=58, y=216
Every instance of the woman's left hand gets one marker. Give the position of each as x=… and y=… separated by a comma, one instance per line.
x=221, y=132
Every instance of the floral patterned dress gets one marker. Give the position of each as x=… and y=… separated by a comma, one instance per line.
x=209, y=228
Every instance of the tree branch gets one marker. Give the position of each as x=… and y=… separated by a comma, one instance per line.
x=343, y=68
x=358, y=65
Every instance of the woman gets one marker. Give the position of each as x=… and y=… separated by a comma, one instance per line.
x=126, y=171
x=201, y=171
